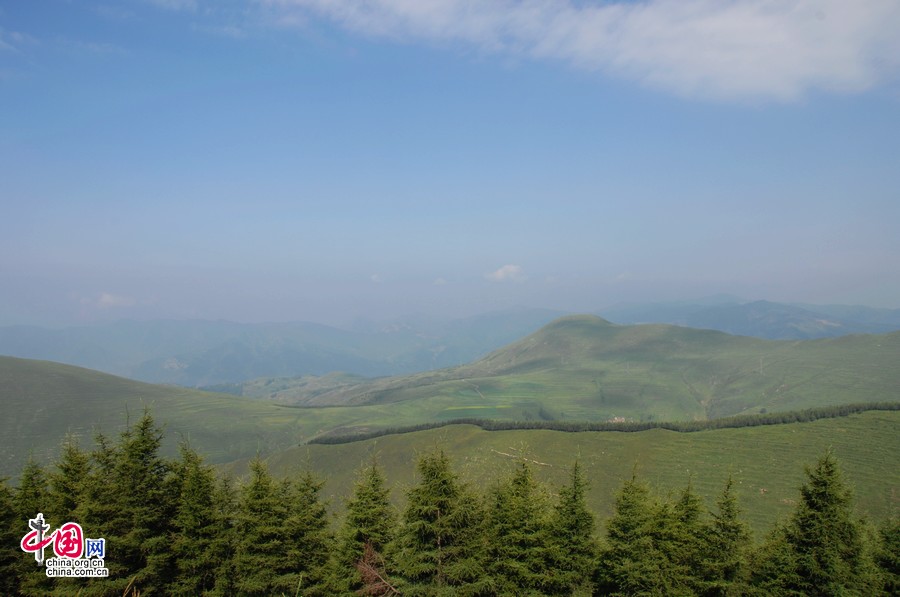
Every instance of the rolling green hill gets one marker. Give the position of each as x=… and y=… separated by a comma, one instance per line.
x=585, y=368
x=766, y=462
x=42, y=402
x=577, y=368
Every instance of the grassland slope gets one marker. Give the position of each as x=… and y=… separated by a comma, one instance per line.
x=586, y=368
x=766, y=462
x=42, y=401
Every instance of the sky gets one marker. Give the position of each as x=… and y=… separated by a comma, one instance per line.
x=326, y=160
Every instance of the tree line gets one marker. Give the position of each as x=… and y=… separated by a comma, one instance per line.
x=175, y=527
x=756, y=420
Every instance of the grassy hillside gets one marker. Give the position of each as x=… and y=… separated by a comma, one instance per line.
x=41, y=402
x=577, y=368
x=585, y=368
x=766, y=462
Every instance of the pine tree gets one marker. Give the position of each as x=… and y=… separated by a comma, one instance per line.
x=309, y=539
x=572, y=537
x=888, y=556
x=30, y=498
x=518, y=536
x=369, y=526
x=687, y=540
x=98, y=513
x=438, y=550
x=67, y=481
x=12, y=528
x=821, y=550
x=643, y=546
x=195, y=527
x=224, y=543
x=260, y=566
x=148, y=501
x=32, y=493
x=130, y=500
x=727, y=547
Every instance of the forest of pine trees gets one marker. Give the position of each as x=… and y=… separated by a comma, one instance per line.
x=175, y=527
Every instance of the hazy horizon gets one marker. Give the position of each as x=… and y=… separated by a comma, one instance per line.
x=300, y=160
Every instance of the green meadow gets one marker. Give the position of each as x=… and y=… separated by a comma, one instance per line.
x=587, y=369
x=575, y=369
x=765, y=462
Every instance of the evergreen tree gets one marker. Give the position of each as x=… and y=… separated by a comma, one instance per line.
x=309, y=539
x=687, y=540
x=826, y=551
x=67, y=482
x=369, y=526
x=260, y=565
x=224, y=543
x=98, y=513
x=438, y=551
x=572, y=537
x=641, y=557
x=518, y=537
x=32, y=493
x=131, y=500
x=148, y=499
x=727, y=547
x=888, y=556
x=30, y=498
x=12, y=528
x=195, y=527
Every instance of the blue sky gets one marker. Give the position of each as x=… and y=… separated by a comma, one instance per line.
x=326, y=160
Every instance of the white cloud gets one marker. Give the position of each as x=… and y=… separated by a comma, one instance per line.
x=13, y=41
x=439, y=282
x=107, y=300
x=377, y=279
x=723, y=49
x=175, y=4
x=507, y=273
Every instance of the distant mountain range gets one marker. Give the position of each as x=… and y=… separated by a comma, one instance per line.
x=762, y=319
x=587, y=369
x=199, y=353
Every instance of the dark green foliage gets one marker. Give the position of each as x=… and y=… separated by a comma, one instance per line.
x=67, y=482
x=31, y=495
x=438, y=551
x=574, y=549
x=630, y=563
x=282, y=539
x=11, y=530
x=688, y=537
x=309, y=539
x=142, y=525
x=822, y=549
x=30, y=498
x=888, y=556
x=370, y=522
x=172, y=528
x=195, y=528
x=519, y=548
x=222, y=548
x=723, y=568
x=259, y=562
x=650, y=544
x=735, y=422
